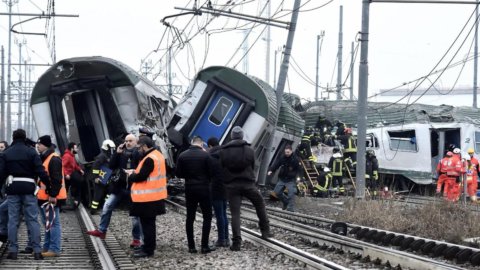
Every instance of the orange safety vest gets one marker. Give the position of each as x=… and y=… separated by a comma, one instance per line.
x=42, y=193
x=155, y=187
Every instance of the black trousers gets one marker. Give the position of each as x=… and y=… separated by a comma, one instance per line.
x=99, y=191
x=149, y=234
x=235, y=192
x=75, y=183
x=198, y=196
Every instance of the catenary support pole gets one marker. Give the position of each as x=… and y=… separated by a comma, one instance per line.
x=340, y=56
x=475, y=60
x=9, y=74
x=268, y=44
x=2, y=99
x=362, y=101
x=20, y=96
x=352, y=71
x=316, y=69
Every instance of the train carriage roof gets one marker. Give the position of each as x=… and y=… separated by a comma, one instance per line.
x=73, y=69
x=261, y=93
x=383, y=113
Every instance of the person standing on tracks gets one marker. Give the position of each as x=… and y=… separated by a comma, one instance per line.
x=20, y=165
x=289, y=169
x=237, y=159
x=73, y=173
x=148, y=193
x=196, y=166
x=126, y=157
x=442, y=169
x=371, y=173
x=218, y=192
x=454, y=174
x=50, y=197
x=474, y=161
x=336, y=164
x=99, y=168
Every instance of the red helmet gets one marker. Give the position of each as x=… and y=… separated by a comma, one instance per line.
x=348, y=130
x=449, y=154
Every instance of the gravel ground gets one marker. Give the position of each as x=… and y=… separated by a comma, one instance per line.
x=171, y=252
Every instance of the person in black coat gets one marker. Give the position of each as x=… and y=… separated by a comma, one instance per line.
x=237, y=159
x=21, y=164
x=289, y=169
x=101, y=161
x=219, y=198
x=195, y=166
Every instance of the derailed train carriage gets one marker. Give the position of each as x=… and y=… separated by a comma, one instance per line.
x=219, y=99
x=408, y=142
x=89, y=99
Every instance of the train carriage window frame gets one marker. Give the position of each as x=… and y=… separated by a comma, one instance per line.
x=477, y=142
x=215, y=109
x=403, y=140
x=372, y=141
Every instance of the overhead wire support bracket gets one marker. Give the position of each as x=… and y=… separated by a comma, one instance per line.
x=27, y=20
x=424, y=2
x=191, y=11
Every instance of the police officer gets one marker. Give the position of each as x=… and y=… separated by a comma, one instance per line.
x=21, y=164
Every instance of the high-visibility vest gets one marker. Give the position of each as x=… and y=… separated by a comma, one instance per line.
x=351, y=147
x=155, y=187
x=444, y=165
x=42, y=193
x=337, y=167
x=324, y=188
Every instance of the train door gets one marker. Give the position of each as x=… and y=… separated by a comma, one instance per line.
x=441, y=142
x=217, y=117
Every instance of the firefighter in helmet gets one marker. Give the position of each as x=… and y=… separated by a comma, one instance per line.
x=371, y=173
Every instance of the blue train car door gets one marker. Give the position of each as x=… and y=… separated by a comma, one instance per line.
x=217, y=116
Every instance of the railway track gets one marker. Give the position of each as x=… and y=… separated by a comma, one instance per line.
x=276, y=245
x=79, y=250
x=428, y=248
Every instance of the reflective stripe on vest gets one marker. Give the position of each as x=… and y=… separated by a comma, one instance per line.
x=337, y=169
x=42, y=194
x=155, y=186
x=351, y=145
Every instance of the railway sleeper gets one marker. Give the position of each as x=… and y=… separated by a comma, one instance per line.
x=463, y=256
x=387, y=239
x=377, y=238
x=406, y=243
x=417, y=244
x=451, y=252
x=475, y=259
x=397, y=240
x=428, y=247
x=438, y=250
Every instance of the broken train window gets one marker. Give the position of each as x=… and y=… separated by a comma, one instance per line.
x=404, y=140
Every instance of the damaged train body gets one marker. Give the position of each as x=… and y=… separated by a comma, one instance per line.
x=408, y=141
x=219, y=99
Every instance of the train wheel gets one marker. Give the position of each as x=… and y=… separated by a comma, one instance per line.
x=439, y=249
x=428, y=247
x=464, y=255
x=451, y=252
x=406, y=243
x=397, y=240
x=417, y=244
x=362, y=233
x=475, y=259
x=387, y=239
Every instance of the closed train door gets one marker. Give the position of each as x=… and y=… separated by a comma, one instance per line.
x=217, y=117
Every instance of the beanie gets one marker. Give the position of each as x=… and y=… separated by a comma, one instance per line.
x=237, y=133
x=45, y=140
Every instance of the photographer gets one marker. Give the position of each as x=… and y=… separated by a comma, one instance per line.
x=126, y=157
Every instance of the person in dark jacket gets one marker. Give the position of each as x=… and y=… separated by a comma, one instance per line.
x=101, y=161
x=73, y=173
x=195, y=166
x=126, y=157
x=237, y=159
x=51, y=200
x=219, y=198
x=148, y=192
x=371, y=173
x=20, y=165
x=289, y=169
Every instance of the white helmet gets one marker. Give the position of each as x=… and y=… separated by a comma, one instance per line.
x=337, y=155
x=466, y=157
x=456, y=151
x=108, y=144
x=326, y=169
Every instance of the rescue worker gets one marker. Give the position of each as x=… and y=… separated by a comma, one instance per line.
x=305, y=148
x=196, y=166
x=148, y=193
x=349, y=142
x=454, y=176
x=336, y=165
x=73, y=173
x=474, y=160
x=323, y=125
x=324, y=180
x=99, y=167
x=371, y=173
x=50, y=202
x=471, y=176
x=289, y=169
x=125, y=157
x=442, y=169
x=218, y=192
x=237, y=159
x=20, y=165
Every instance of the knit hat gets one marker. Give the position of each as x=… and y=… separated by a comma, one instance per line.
x=45, y=140
x=237, y=133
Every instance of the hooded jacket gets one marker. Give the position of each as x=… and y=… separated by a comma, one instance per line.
x=289, y=168
x=217, y=185
x=237, y=159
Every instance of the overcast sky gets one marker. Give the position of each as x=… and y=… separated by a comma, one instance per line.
x=406, y=40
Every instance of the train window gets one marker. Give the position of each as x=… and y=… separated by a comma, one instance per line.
x=404, y=140
x=220, y=111
x=372, y=141
x=477, y=142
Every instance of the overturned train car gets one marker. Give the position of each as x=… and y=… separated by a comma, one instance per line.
x=89, y=99
x=219, y=99
x=408, y=141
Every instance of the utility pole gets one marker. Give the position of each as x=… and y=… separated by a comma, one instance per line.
x=275, y=69
x=317, y=82
x=268, y=41
x=2, y=99
x=10, y=3
x=25, y=96
x=169, y=71
x=362, y=102
x=245, y=50
x=352, y=54
x=20, y=96
x=339, y=56
x=29, y=115
x=475, y=59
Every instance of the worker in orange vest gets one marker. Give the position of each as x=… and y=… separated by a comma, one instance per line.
x=148, y=192
x=50, y=198
x=442, y=168
x=471, y=176
x=454, y=174
x=474, y=161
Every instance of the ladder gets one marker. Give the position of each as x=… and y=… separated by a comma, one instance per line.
x=310, y=172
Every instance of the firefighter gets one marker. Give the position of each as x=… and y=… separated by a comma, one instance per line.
x=305, y=148
x=442, y=168
x=323, y=125
x=337, y=165
x=371, y=173
x=100, y=170
x=324, y=180
x=471, y=176
x=349, y=142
